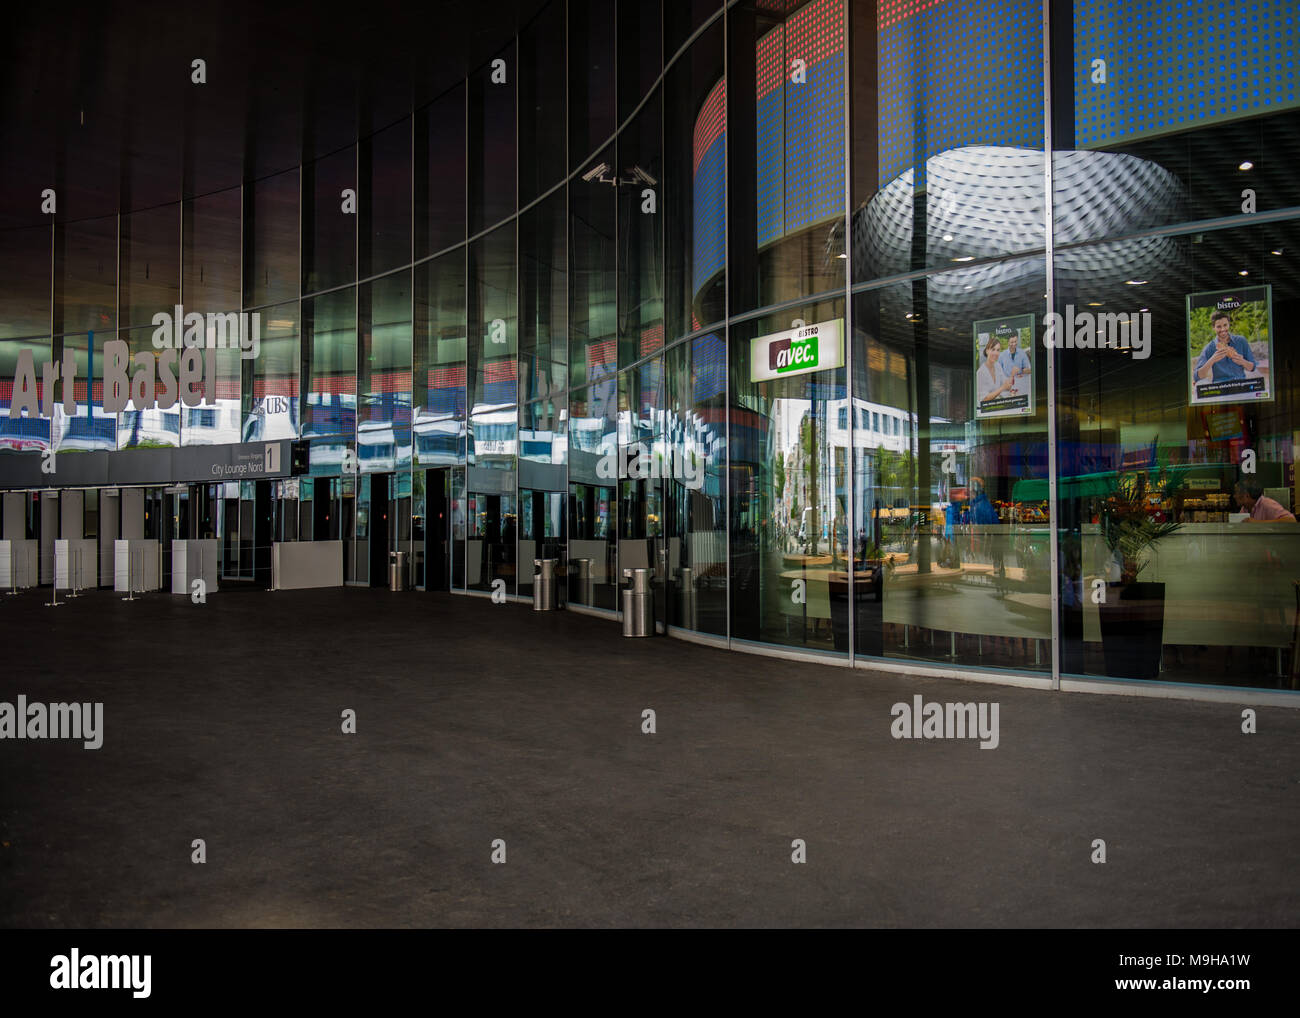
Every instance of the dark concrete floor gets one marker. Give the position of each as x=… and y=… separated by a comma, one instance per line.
x=477, y=721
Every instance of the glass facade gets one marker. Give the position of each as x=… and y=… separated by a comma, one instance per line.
x=869, y=347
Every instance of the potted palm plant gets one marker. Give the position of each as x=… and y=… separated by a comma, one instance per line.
x=1133, y=611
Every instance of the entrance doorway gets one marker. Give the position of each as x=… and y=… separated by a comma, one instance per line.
x=431, y=538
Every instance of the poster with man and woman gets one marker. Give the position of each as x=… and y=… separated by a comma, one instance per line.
x=1004, y=367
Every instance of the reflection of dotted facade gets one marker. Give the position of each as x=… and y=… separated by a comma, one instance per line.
x=1170, y=66
x=799, y=151
x=956, y=73
x=710, y=186
x=814, y=134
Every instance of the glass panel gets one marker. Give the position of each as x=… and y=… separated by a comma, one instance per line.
x=789, y=482
x=541, y=97
x=31, y=431
x=591, y=76
x=491, y=141
x=384, y=200
x=950, y=527
x=640, y=26
x=543, y=280
x=681, y=18
x=25, y=265
x=641, y=240
x=696, y=495
x=271, y=240
x=493, y=325
x=694, y=198
x=592, y=222
x=384, y=373
x=1177, y=465
x=786, y=106
x=947, y=151
x=271, y=400
x=210, y=251
x=440, y=173
x=153, y=427
x=1188, y=130
x=330, y=363
x=593, y=476
x=329, y=235
x=150, y=267
x=439, y=392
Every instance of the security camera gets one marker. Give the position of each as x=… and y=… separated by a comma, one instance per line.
x=596, y=172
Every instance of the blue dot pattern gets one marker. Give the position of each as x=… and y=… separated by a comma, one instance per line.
x=1170, y=66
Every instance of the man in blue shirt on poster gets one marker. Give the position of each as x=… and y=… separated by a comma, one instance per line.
x=1227, y=356
x=1015, y=362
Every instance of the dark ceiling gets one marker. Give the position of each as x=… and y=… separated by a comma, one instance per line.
x=98, y=103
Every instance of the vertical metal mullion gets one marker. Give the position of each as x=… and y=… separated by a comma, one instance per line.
x=117, y=309
x=851, y=454
x=519, y=316
x=410, y=523
x=726, y=328
x=57, y=345
x=356, y=360
x=465, y=276
x=568, y=313
x=1049, y=224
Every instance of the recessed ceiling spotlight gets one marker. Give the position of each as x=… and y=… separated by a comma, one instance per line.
x=1243, y=272
x=965, y=258
x=1135, y=282
x=1247, y=165
x=968, y=287
x=947, y=236
x=1096, y=303
x=1277, y=251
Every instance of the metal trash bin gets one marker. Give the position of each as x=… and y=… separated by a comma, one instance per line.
x=396, y=570
x=581, y=591
x=638, y=604
x=544, y=579
x=686, y=595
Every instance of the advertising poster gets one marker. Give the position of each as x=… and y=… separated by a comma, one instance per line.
x=1004, y=367
x=1230, y=345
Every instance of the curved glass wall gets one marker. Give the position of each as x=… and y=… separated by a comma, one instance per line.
x=865, y=345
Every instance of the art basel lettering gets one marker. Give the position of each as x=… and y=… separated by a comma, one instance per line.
x=184, y=369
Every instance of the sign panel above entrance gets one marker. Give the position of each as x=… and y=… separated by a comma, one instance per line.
x=797, y=352
x=246, y=461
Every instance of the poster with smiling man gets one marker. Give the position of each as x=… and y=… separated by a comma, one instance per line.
x=1230, y=345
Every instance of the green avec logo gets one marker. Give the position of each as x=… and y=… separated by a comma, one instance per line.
x=793, y=354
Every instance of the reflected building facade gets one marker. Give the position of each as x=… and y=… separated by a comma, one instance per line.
x=757, y=296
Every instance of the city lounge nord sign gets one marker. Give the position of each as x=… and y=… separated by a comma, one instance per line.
x=797, y=352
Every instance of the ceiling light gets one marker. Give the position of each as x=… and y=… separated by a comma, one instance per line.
x=1243, y=272
x=965, y=258
x=1096, y=303
x=1135, y=282
x=1247, y=165
x=1277, y=251
x=947, y=236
